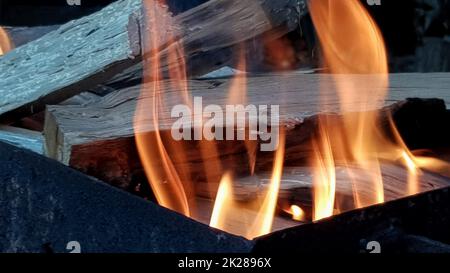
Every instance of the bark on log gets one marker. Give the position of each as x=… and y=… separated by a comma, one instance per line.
x=91, y=50
x=98, y=139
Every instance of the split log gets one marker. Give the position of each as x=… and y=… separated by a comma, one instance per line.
x=91, y=50
x=63, y=63
x=98, y=139
x=297, y=184
x=296, y=188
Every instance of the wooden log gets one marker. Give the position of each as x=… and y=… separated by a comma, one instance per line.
x=211, y=44
x=98, y=139
x=59, y=65
x=91, y=50
x=297, y=184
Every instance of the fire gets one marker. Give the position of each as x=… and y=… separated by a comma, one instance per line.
x=238, y=96
x=413, y=183
x=5, y=42
x=432, y=164
x=165, y=180
x=355, y=54
x=414, y=162
x=254, y=218
x=159, y=152
x=324, y=178
x=351, y=44
x=223, y=202
x=259, y=214
x=298, y=214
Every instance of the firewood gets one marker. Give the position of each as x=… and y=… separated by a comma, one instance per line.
x=297, y=184
x=296, y=188
x=92, y=50
x=62, y=63
x=98, y=138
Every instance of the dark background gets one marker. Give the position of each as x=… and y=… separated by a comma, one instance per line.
x=416, y=31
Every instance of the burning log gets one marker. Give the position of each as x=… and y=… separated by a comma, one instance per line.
x=297, y=186
x=93, y=49
x=296, y=189
x=92, y=138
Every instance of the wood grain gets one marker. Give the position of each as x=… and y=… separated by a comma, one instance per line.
x=62, y=63
x=296, y=188
x=92, y=50
x=98, y=138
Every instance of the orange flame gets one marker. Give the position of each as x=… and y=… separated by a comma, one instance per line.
x=165, y=180
x=5, y=42
x=223, y=202
x=256, y=218
x=159, y=153
x=414, y=163
x=238, y=96
x=324, y=178
x=298, y=214
x=228, y=211
x=351, y=44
